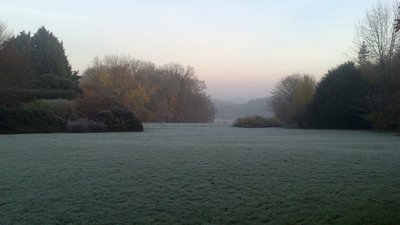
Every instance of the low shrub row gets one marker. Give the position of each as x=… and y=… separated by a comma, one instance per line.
x=49, y=116
x=255, y=122
x=25, y=120
x=66, y=109
x=114, y=120
x=84, y=125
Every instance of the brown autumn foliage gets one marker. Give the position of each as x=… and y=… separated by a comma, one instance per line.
x=169, y=93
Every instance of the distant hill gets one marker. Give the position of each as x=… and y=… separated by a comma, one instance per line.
x=229, y=111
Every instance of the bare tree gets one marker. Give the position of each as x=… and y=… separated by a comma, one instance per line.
x=5, y=34
x=377, y=33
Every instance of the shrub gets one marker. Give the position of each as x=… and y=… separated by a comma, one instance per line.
x=83, y=125
x=119, y=120
x=65, y=109
x=255, y=122
x=56, y=94
x=24, y=120
x=51, y=81
x=14, y=97
x=40, y=116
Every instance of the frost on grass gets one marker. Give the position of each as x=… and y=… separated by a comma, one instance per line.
x=197, y=174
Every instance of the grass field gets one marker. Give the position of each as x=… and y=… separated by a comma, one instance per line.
x=201, y=174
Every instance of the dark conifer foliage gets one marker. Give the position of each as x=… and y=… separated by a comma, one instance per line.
x=36, y=63
x=340, y=99
x=48, y=54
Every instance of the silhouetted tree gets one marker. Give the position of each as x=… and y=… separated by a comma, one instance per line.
x=384, y=100
x=48, y=54
x=339, y=100
x=36, y=67
x=363, y=55
x=378, y=34
x=15, y=62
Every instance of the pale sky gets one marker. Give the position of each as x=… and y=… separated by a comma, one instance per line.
x=240, y=48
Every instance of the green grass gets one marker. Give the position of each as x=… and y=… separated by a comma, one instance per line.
x=201, y=174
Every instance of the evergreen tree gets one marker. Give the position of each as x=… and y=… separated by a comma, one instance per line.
x=36, y=65
x=49, y=54
x=363, y=55
x=15, y=61
x=339, y=101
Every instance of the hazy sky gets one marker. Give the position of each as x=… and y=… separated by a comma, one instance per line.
x=240, y=48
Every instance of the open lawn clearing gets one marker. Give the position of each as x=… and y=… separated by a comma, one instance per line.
x=201, y=174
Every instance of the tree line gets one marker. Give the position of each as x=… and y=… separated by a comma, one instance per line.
x=39, y=91
x=359, y=94
x=168, y=93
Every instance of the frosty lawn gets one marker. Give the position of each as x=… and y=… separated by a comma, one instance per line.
x=201, y=174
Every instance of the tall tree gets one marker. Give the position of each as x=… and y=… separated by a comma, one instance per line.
x=36, y=67
x=290, y=99
x=377, y=33
x=15, y=61
x=339, y=100
x=49, y=55
x=363, y=55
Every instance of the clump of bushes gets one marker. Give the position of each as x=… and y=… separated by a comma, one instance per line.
x=84, y=125
x=60, y=115
x=63, y=108
x=115, y=120
x=54, y=82
x=40, y=116
x=255, y=122
x=13, y=97
x=26, y=120
x=119, y=120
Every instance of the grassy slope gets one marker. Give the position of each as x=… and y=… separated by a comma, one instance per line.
x=193, y=174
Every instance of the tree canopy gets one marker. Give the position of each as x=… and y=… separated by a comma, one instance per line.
x=290, y=99
x=36, y=62
x=168, y=93
x=340, y=99
x=377, y=34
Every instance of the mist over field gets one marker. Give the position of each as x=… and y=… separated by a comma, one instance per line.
x=229, y=111
x=200, y=112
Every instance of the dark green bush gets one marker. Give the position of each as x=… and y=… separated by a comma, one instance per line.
x=119, y=120
x=24, y=120
x=51, y=81
x=14, y=97
x=255, y=122
x=56, y=94
x=40, y=116
x=65, y=109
